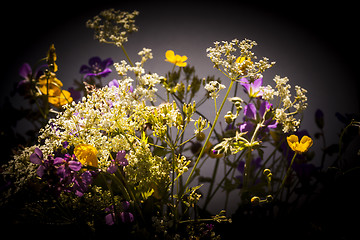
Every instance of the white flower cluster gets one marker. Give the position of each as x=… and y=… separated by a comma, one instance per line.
x=92, y=121
x=20, y=171
x=235, y=67
x=146, y=82
x=214, y=87
x=113, y=26
x=283, y=113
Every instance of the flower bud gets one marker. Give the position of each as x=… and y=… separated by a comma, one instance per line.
x=266, y=172
x=200, y=136
x=255, y=201
x=269, y=198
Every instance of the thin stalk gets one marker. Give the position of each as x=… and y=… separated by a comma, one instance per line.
x=287, y=174
x=127, y=56
x=211, y=131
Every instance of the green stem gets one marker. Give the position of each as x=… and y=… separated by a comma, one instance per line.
x=211, y=131
x=127, y=56
x=287, y=173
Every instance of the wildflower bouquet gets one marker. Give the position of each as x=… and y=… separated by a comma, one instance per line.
x=120, y=158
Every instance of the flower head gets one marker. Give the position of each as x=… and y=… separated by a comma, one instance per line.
x=299, y=147
x=113, y=26
x=97, y=67
x=49, y=85
x=86, y=154
x=252, y=88
x=175, y=59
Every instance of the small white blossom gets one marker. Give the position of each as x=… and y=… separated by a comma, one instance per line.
x=214, y=87
x=283, y=113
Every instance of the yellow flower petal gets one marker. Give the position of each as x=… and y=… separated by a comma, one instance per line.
x=60, y=98
x=86, y=154
x=299, y=147
x=175, y=59
x=170, y=56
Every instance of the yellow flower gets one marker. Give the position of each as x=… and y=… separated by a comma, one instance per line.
x=299, y=147
x=50, y=81
x=175, y=59
x=59, y=99
x=241, y=60
x=86, y=154
x=51, y=86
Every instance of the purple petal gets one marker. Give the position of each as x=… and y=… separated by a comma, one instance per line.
x=257, y=84
x=264, y=107
x=120, y=155
x=245, y=83
x=109, y=219
x=250, y=111
x=126, y=217
x=104, y=73
x=34, y=158
x=61, y=171
x=78, y=193
x=85, y=69
x=246, y=127
x=90, y=75
x=107, y=62
x=131, y=89
x=40, y=171
x=120, y=158
x=59, y=160
x=271, y=124
x=112, y=168
x=114, y=83
x=75, y=165
x=25, y=70
x=38, y=152
x=86, y=177
x=95, y=61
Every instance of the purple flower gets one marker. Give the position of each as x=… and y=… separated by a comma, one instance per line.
x=124, y=214
x=82, y=182
x=66, y=166
x=126, y=217
x=25, y=71
x=114, y=83
x=253, y=89
x=253, y=115
x=97, y=67
x=119, y=160
x=38, y=158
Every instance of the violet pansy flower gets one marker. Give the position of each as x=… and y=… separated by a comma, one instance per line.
x=97, y=67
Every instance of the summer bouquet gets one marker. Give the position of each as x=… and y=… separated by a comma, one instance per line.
x=126, y=157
